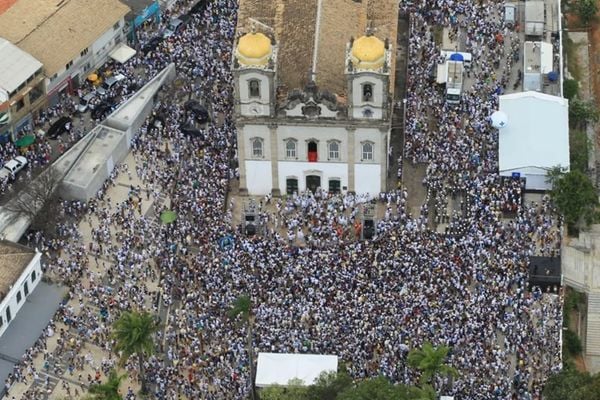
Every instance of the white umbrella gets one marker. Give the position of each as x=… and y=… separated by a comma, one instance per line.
x=499, y=119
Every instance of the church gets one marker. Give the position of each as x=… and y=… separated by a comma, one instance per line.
x=314, y=86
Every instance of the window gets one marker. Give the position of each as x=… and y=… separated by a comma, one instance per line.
x=334, y=186
x=290, y=148
x=19, y=105
x=84, y=52
x=257, y=147
x=367, y=151
x=36, y=93
x=334, y=150
x=291, y=186
x=313, y=155
x=53, y=77
x=69, y=64
x=254, y=88
x=367, y=92
x=19, y=297
x=8, y=314
x=1, y=320
x=117, y=25
x=33, y=276
x=26, y=289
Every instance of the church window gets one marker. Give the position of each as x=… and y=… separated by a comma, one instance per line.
x=334, y=150
x=367, y=151
x=367, y=92
x=290, y=148
x=254, y=88
x=257, y=147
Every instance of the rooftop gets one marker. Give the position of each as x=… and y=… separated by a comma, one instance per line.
x=297, y=25
x=279, y=369
x=14, y=258
x=56, y=31
x=16, y=66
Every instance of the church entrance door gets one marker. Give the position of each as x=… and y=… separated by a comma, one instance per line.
x=313, y=182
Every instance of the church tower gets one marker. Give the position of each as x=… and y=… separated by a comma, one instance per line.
x=368, y=61
x=254, y=72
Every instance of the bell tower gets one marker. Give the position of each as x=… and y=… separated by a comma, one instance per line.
x=254, y=70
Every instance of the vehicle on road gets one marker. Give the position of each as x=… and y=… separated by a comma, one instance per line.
x=11, y=168
x=109, y=83
x=86, y=102
x=102, y=110
x=176, y=26
x=62, y=125
x=198, y=110
x=190, y=130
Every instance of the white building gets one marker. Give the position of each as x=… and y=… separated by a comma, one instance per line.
x=20, y=273
x=312, y=103
x=535, y=137
x=70, y=37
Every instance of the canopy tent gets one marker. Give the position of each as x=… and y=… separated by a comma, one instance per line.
x=168, y=217
x=122, y=53
x=279, y=369
x=456, y=57
x=25, y=141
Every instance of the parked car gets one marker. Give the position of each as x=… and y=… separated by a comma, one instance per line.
x=190, y=130
x=11, y=168
x=102, y=110
x=62, y=125
x=176, y=26
x=109, y=83
x=86, y=102
x=198, y=110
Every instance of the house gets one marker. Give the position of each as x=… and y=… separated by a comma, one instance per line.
x=313, y=89
x=20, y=273
x=71, y=38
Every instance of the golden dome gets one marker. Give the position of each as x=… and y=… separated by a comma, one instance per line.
x=254, y=49
x=368, y=52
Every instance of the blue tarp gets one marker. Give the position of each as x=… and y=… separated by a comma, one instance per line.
x=152, y=11
x=456, y=57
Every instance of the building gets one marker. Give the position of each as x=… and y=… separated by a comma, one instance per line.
x=22, y=86
x=535, y=137
x=70, y=38
x=581, y=271
x=313, y=104
x=538, y=65
x=20, y=273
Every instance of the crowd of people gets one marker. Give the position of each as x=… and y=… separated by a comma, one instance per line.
x=315, y=286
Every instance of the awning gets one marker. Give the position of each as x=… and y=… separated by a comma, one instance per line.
x=122, y=53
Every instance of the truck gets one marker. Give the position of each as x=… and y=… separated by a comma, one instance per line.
x=454, y=81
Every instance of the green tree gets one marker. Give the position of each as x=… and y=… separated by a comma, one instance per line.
x=134, y=333
x=242, y=308
x=108, y=390
x=566, y=384
x=425, y=392
x=586, y=10
x=571, y=343
x=329, y=385
x=581, y=113
x=575, y=197
x=578, y=149
x=375, y=388
x=570, y=88
x=430, y=361
x=294, y=390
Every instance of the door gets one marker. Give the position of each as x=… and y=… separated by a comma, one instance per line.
x=313, y=156
x=334, y=186
x=26, y=289
x=313, y=182
x=291, y=185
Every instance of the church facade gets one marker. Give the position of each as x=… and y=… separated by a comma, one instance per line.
x=328, y=127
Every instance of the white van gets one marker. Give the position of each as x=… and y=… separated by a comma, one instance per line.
x=510, y=15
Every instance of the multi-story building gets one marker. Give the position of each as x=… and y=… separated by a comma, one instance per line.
x=22, y=88
x=69, y=37
x=313, y=104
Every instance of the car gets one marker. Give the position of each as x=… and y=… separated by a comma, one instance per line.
x=102, y=110
x=198, y=8
x=190, y=130
x=198, y=110
x=62, y=125
x=11, y=168
x=86, y=102
x=109, y=83
x=176, y=25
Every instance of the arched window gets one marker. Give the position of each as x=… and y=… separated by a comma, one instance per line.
x=334, y=150
x=367, y=92
x=257, y=147
x=254, y=88
x=290, y=148
x=367, y=151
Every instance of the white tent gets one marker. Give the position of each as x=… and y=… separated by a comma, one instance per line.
x=122, y=53
x=279, y=369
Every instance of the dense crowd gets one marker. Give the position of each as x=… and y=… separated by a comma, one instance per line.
x=315, y=287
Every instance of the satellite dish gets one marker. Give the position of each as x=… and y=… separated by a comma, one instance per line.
x=499, y=119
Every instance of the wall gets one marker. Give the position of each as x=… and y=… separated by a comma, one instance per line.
x=367, y=179
x=376, y=103
x=105, y=43
x=247, y=103
x=258, y=177
x=300, y=170
x=11, y=298
x=321, y=134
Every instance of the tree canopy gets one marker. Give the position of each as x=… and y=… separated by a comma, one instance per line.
x=108, y=390
x=575, y=197
x=570, y=384
x=586, y=10
x=431, y=362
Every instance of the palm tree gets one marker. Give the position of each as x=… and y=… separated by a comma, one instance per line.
x=430, y=361
x=133, y=332
x=242, y=307
x=425, y=392
x=108, y=390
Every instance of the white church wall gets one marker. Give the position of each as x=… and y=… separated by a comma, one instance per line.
x=304, y=133
x=372, y=135
x=376, y=103
x=300, y=170
x=256, y=131
x=367, y=179
x=258, y=177
x=254, y=106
